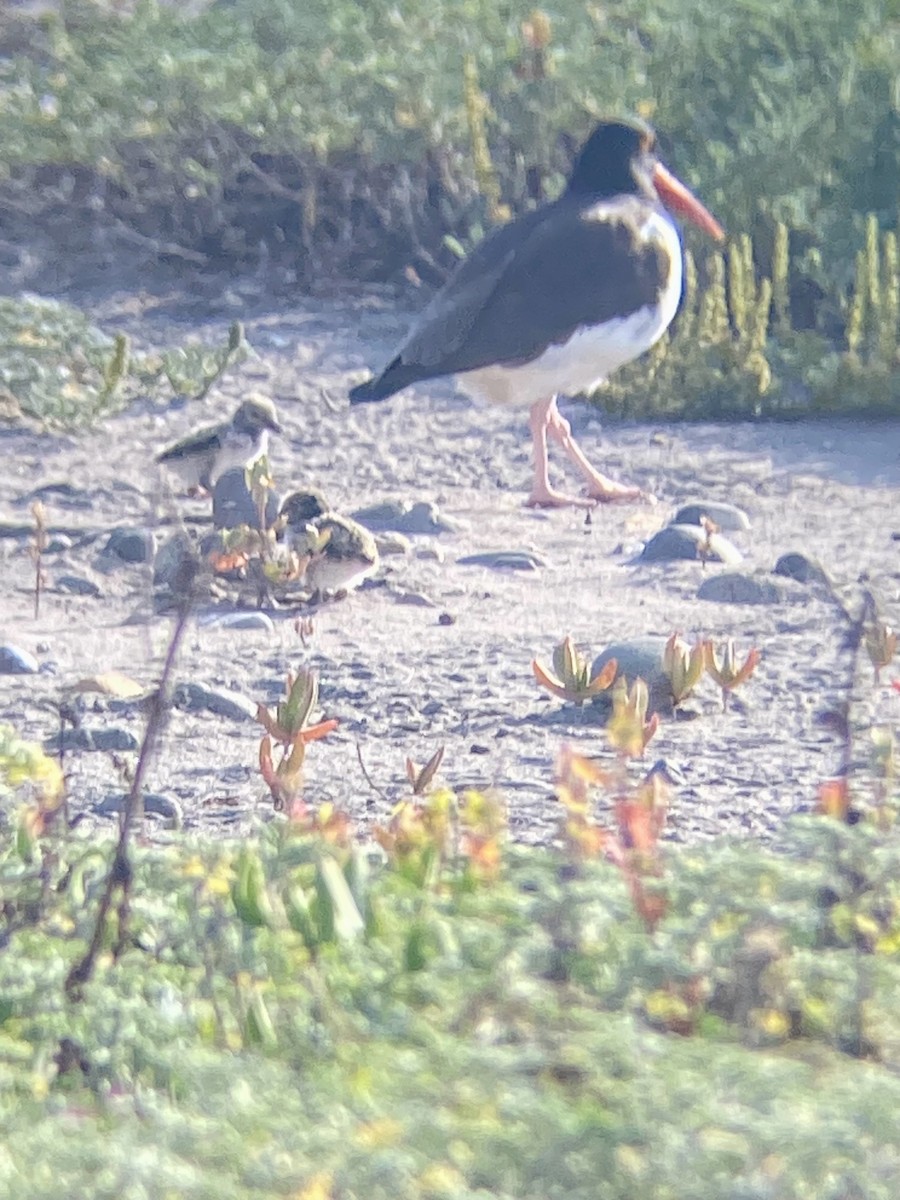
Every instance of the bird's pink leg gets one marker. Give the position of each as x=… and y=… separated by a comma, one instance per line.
x=601, y=489
x=542, y=494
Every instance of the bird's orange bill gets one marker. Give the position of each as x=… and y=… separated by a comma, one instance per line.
x=678, y=199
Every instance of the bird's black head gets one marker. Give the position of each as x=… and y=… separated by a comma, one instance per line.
x=299, y=508
x=616, y=159
x=255, y=415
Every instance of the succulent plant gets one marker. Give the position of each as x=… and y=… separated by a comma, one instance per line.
x=684, y=666
x=570, y=678
x=629, y=729
x=722, y=665
x=292, y=727
x=881, y=646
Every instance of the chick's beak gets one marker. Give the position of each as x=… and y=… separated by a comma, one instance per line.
x=681, y=201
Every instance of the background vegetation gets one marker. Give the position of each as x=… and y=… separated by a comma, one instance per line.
x=378, y=141
x=285, y=1018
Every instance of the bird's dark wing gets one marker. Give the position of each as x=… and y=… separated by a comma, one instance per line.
x=530, y=285
x=197, y=443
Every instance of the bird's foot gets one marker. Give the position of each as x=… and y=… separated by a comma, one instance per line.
x=603, y=490
x=544, y=496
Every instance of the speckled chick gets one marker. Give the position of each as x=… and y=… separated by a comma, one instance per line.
x=342, y=552
x=199, y=459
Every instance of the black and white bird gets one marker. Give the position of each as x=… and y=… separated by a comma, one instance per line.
x=557, y=300
x=340, y=552
x=199, y=459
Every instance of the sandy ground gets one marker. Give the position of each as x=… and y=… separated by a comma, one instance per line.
x=398, y=674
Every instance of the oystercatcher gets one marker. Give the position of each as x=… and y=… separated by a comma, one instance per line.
x=557, y=300
x=202, y=457
x=341, y=553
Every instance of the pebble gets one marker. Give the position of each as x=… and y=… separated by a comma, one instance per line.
x=414, y=599
x=61, y=537
x=77, y=585
x=642, y=656
x=676, y=542
x=129, y=544
x=393, y=544
x=241, y=620
x=726, y=516
x=16, y=661
x=83, y=738
x=233, y=705
x=431, y=553
x=401, y=516
x=154, y=805
x=735, y=587
x=233, y=503
x=63, y=493
x=801, y=567
x=668, y=771
x=504, y=560
x=174, y=562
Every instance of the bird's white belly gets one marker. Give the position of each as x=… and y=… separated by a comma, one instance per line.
x=239, y=451
x=593, y=353
x=336, y=575
x=236, y=450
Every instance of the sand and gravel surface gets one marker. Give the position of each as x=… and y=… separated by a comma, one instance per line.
x=434, y=651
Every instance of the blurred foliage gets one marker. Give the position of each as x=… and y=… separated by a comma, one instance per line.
x=734, y=350
x=289, y=1018
x=58, y=368
x=380, y=141
x=776, y=113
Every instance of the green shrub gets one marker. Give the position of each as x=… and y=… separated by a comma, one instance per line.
x=365, y=140
x=525, y=1038
x=779, y=114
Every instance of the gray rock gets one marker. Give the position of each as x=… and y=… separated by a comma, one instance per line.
x=233, y=705
x=393, y=544
x=412, y=598
x=63, y=494
x=233, y=502
x=16, y=661
x=641, y=656
x=801, y=567
x=154, y=805
x=212, y=543
x=62, y=537
x=726, y=516
x=129, y=544
x=84, y=738
x=736, y=587
x=16, y=529
x=401, y=516
x=174, y=564
x=190, y=697
x=240, y=620
x=669, y=772
x=504, y=560
x=77, y=585
x=676, y=542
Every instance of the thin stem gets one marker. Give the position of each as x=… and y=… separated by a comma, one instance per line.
x=121, y=873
